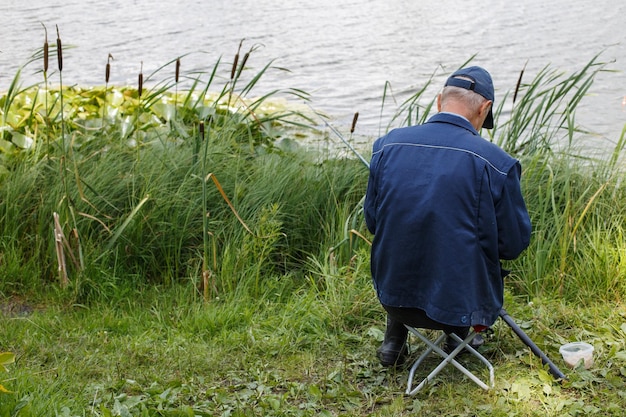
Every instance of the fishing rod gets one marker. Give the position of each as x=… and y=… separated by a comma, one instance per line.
x=554, y=370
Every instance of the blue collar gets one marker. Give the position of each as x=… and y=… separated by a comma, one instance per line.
x=455, y=119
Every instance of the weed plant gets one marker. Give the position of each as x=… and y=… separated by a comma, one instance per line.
x=213, y=270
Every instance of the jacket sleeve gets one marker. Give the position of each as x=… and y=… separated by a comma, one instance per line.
x=514, y=226
x=369, y=205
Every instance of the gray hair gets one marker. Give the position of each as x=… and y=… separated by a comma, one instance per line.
x=471, y=99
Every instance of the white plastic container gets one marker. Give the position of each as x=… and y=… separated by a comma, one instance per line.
x=573, y=353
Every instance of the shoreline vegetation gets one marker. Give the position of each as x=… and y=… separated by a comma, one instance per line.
x=182, y=252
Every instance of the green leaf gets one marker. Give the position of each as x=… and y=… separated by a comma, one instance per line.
x=544, y=376
x=547, y=389
x=315, y=391
x=6, y=358
x=119, y=231
x=21, y=140
x=376, y=333
x=522, y=390
x=5, y=146
x=164, y=110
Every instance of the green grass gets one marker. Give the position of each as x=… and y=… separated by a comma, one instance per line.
x=165, y=352
x=216, y=267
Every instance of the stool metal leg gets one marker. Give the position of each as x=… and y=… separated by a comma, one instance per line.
x=423, y=356
x=447, y=358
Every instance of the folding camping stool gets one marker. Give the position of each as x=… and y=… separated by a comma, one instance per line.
x=434, y=346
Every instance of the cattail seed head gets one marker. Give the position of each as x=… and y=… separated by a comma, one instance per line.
x=202, y=129
x=236, y=61
x=354, y=120
x=140, y=88
x=234, y=68
x=243, y=63
x=519, y=82
x=177, y=69
x=59, y=51
x=107, y=73
x=45, y=57
x=245, y=59
x=45, y=50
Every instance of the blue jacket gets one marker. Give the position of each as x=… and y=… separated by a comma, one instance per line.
x=445, y=206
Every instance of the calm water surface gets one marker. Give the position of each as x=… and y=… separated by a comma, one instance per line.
x=342, y=52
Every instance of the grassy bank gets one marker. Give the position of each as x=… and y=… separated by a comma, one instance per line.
x=287, y=353
x=201, y=262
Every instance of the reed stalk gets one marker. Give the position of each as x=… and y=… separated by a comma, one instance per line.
x=140, y=82
x=60, y=243
x=107, y=76
x=45, y=82
x=60, y=65
x=208, y=275
x=355, y=118
x=139, y=114
x=519, y=83
x=63, y=160
x=233, y=73
x=176, y=79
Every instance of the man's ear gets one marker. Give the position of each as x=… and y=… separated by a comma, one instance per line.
x=439, y=102
x=486, y=106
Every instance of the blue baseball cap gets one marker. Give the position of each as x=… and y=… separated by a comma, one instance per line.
x=477, y=80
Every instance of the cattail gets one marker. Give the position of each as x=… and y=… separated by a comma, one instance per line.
x=245, y=59
x=234, y=68
x=354, y=119
x=202, y=130
x=107, y=76
x=243, y=63
x=107, y=73
x=519, y=82
x=60, y=62
x=140, y=89
x=236, y=61
x=59, y=50
x=45, y=56
x=45, y=50
x=177, y=69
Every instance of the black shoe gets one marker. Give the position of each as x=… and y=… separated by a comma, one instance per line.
x=452, y=344
x=394, y=350
x=392, y=355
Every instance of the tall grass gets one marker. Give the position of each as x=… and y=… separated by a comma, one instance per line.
x=146, y=210
x=227, y=201
x=543, y=116
x=208, y=206
x=578, y=217
x=575, y=196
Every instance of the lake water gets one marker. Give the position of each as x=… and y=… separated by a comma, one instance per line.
x=342, y=52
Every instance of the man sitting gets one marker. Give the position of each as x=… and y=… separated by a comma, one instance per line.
x=445, y=206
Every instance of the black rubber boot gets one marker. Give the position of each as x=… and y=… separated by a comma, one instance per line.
x=452, y=344
x=394, y=349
